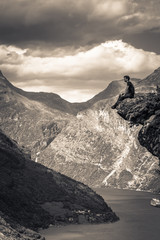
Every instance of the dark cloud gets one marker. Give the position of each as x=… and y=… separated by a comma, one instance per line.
x=60, y=23
x=65, y=23
x=149, y=40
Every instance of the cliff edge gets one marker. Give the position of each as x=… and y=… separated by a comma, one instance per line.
x=144, y=109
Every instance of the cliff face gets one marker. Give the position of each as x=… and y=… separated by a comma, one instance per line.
x=144, y=109
x=104, y=150
x=33, y=196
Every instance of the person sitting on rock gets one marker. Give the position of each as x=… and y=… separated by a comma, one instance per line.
x=129, y=92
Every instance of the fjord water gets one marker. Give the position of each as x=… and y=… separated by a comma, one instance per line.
x=138, y=220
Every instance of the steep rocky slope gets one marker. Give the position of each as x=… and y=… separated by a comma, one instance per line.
x=32, y=119
x=104, y=150
x=29, y=122
x=33, y=196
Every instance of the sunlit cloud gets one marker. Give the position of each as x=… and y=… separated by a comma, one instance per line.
x=77, y=76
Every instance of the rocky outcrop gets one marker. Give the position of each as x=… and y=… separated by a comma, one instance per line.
x=144, y=109
x=11, y=230
x=33, y=196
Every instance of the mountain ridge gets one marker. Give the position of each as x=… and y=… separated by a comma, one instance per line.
x=86, y=146
x=49, y=99
x=53, y=100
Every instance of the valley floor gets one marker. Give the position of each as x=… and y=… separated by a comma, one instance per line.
x=138, y=220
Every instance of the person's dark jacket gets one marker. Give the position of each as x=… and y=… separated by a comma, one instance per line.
x=130, y=91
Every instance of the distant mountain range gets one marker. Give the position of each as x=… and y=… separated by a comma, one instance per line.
x=54, y=101
x=87, y=141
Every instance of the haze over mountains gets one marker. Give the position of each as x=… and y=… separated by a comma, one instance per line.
x=87, y=141
x=54, y=101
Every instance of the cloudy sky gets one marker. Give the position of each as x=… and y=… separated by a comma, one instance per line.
x=76, y=47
